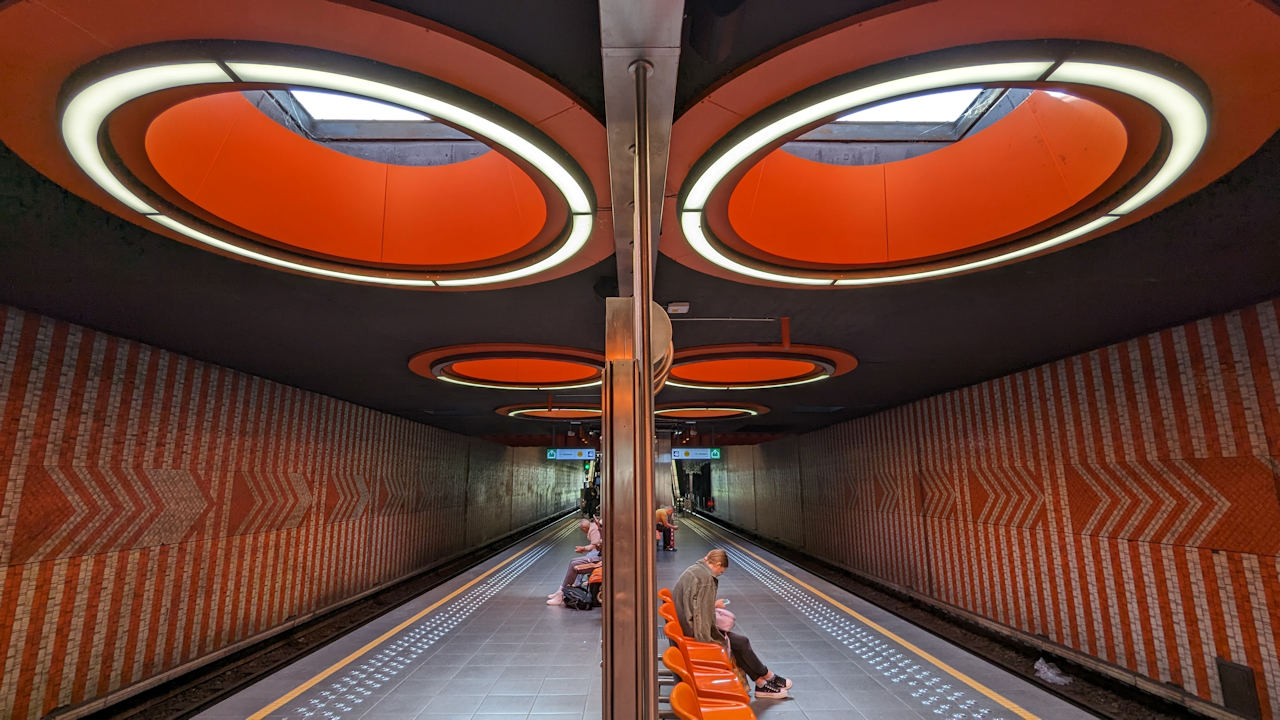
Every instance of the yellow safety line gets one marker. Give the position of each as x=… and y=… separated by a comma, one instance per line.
x=1008, y=704
x=382, y=638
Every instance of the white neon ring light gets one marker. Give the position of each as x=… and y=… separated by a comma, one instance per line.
x=499, y=386
x=741, y=411
x=89, y=108
x=519, y=412
x=722, y=386
x=1185, y=116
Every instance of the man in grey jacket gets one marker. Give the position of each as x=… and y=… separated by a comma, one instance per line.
x=695, y=600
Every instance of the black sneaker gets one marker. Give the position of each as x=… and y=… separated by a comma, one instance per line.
x=771, y=691
x=779, y=682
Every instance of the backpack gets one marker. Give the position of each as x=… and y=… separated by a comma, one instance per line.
x=576, y=597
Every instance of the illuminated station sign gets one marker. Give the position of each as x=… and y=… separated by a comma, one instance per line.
x=695, y=453
x=571, y=453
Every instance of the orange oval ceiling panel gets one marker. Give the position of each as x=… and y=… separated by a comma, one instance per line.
x=732, y=371
x=525, y=371
x=224, y=155
x=686, y=411
x=1045, y=156
x=700, y=413
x=511, y=366
x=755, y=366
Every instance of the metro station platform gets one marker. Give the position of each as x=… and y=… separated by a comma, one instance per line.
x=485, y=645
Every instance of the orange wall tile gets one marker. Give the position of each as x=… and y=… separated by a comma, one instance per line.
x=1123, y=502
x=157, y=508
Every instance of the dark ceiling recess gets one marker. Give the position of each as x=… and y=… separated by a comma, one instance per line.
x=719, y=42
x=713, y=27
x=606, y=286
x=559, y=38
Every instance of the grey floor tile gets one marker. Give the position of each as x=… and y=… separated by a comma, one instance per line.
x=506, y=704
x=774, y=710
x=479, y=672
x=559, y=703
x=819, y=700
x=453, y=704
x=518, y=686
x=846, y=715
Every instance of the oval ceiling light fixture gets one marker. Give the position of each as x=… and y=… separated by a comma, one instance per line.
x=709, y=411
x=556, y=412
x=1106, y=73
x=94, y=96
x=511, y=366
x=755, y=366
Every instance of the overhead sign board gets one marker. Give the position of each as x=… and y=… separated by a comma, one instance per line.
x=695, y=453
x=571, y=453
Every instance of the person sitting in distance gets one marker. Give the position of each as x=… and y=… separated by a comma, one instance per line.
x=666, y=527
x=695, y=600
x=578, y=565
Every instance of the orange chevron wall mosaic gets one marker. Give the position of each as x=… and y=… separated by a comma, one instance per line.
x=157, y=509
x=1123, y=503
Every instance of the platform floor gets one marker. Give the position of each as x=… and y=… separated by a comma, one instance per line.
x=485, y=645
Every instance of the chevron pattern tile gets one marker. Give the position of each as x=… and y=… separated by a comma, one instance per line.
x=157, y=509
x=1124, y=503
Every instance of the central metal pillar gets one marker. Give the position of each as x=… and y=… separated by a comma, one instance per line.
x=640, y=50
x=630, y=644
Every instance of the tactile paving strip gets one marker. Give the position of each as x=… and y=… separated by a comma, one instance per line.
x=936, y=692
x=343, y=695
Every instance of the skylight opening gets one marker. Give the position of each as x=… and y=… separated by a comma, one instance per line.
x=939, y=107
x=336, y=106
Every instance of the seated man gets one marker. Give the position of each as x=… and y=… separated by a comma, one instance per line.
x=695, y=600
x=579, y=565
x=666, y=527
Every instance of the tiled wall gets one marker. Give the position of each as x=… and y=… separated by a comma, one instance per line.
x=157, y=508
x=1124, y=502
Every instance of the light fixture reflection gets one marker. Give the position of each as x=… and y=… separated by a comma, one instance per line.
x=89, y=108
x=574, y=193
x=1188, y=121
x=694, y=386
x=1185, y=116
x=214, y=242
x=526, y=411
x=497, y=386
x=579, y=232
x=748, y=146
x=724, y=409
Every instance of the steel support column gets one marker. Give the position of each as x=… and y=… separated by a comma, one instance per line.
x=640, y=49
x=631, y=673
x=630, y=669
